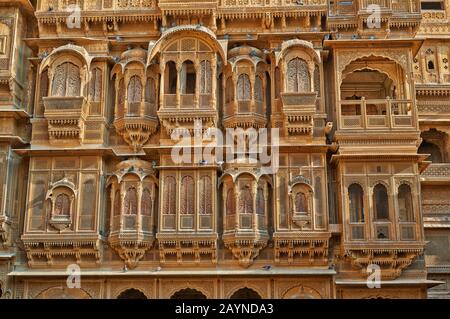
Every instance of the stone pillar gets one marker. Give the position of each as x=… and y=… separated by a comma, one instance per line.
x=162, y=68
x=213, y=99
x=198, y=73
x=178, y=92
x=139, y=214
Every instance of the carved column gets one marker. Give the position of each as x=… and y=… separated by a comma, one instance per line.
x=213, y=100
x=237, y=211
x=139, y=202
x=162, y=68
x=224, y=203
x=311, y=67
x=266, y=205
x=198, y=73
x=235, y=88
x=122, y=200
x=283, y=22
x=178, y=93
x=213, y=22
x=254, y=197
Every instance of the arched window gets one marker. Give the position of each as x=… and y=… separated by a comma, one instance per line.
x=170, y=78
x=150, y=90
x=117, y=203
x=298, y=79
x=260, y=202
x=66, y=80
x=259, y=89
x=245, y=201
x=205, y=195
x=356, y=203
x=231, y=202
x=380, y=202
x=205, y=77
x=62, y=205
x=95, y=86
x=134, y=92
x=130, y=202
x=188, y=78
x=301, y=203
x=243, y=88
x=187, y=195
x=169, y=195
x=433, y=150
x=405, y=203
x=146, y=203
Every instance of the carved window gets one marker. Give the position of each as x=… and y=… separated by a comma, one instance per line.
x=260, y=202
x=88, y=206
x=301, y=202
x=150, y=90
x=243, y=88
x=356, y=203
x=146, y=203
x=117, y=203
x=130, y=202
x=231, y=202
x=187, y=195
x=246, y=201
x=121, y=93
x=169, y=195
x=298, y=79
x=134, y=92
x=62, y=205
x=433, y=150
x=380, y=202
x=66, y=80
x=95, y=87
x=205, y=77
x=170, y=78
x=405, y=203
x=259, y=89
x=205, y=195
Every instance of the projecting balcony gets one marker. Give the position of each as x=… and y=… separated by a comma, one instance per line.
x=66, y=116
x=299, y=110
x=305, y=4
x=377, y=115
x=249, y=114
x=436, y=173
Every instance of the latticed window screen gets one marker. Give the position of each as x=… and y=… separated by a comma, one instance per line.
x=259, y=93
x=134, y=93
x=231, y=202
x=187, y=195
x=62, y=205
x=301, y=202
x=260, y=203
x=298, y=76
x=317, y=80
x=66, y=81
x=380, y=202
x=150, y=90
x=37, y=205
x=205, y=195
x=245, y=201
x=117, y=203
x=88, y=205
x=130, y=202
x=95, y=87
x=146, y=203
x=121, y=92
x=205, y=77
x=169, y=195
x=229, y=90
x=243, y=87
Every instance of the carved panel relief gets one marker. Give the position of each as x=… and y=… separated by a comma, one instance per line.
x=298, y=79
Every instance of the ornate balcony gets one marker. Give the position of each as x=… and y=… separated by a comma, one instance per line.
x=66, y=119
x=245, y=205
x=248, y=115
x=95, y=5
x=299, y=110
x=133, y=198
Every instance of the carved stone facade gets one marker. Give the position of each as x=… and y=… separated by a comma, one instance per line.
x=95, y=115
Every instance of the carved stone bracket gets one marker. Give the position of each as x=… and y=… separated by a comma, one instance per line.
x=245, y=250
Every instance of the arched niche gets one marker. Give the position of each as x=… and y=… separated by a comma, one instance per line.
x=188, y=293
x=62, y=198
x=132, y=294
x=245, y=293
x=301, y=292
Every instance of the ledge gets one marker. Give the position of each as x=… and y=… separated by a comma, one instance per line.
x=185, y=273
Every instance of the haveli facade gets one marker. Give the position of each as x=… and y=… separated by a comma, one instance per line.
x=88, y=106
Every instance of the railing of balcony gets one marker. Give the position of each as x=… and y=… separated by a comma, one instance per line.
x=377, y=114
x=130, y=223
x=271, y=3
x=63, y=5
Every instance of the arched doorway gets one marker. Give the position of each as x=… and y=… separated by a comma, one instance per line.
x=131, y=294
x=188, y=293
x=245, y=293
